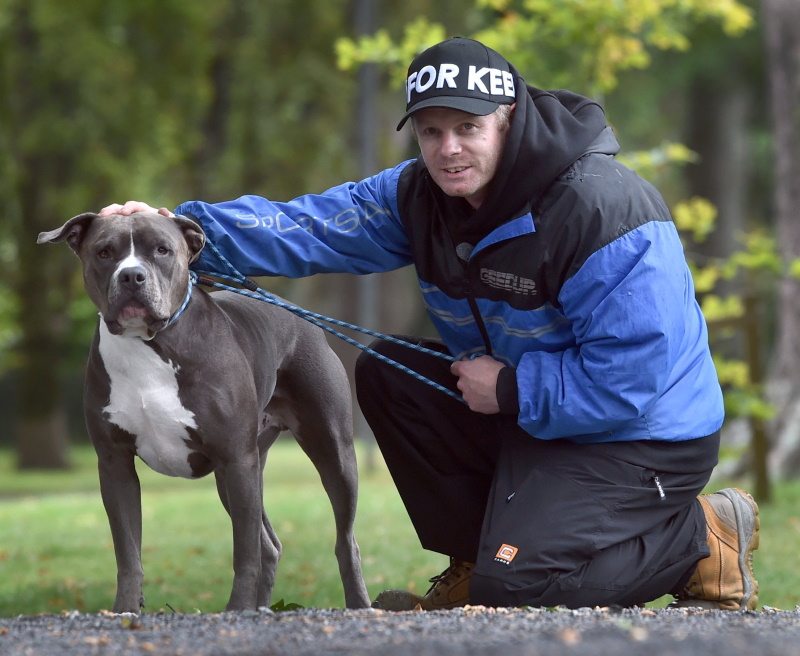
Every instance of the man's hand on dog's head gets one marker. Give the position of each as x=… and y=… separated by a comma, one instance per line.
x=132, y=207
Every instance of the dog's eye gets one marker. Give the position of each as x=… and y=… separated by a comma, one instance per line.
x=104, y=254
x=163, y=250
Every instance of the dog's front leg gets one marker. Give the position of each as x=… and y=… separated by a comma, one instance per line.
x=121, y=493
x=241, y=482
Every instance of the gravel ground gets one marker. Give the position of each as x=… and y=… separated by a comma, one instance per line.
x=465, y=631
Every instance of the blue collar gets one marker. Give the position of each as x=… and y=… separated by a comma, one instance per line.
x=192, y=282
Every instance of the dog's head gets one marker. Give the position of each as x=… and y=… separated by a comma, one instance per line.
x=135, y=268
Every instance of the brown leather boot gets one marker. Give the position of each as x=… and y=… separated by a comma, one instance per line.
x=450, y=589
x=725, y=579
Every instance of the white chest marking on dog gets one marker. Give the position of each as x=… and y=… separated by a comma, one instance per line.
x=144, y=401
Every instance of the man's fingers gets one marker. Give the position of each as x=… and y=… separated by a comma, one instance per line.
x=455, y=368
x=132, y=207
x=110, y=209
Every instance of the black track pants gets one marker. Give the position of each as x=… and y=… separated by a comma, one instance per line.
x=547, y=522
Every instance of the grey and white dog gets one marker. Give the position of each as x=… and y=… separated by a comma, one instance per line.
x=209, y=392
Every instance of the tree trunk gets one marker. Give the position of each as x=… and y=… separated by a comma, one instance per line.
x=42, y=283
x=782, y=36
x=718, y=119
x=42, y=441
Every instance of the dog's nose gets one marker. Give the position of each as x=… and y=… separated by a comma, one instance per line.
x=132, y=277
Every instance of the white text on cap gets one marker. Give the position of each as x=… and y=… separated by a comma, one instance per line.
x=501, y=83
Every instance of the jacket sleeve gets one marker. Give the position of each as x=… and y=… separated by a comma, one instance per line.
x=631, y=307
x=353, y=228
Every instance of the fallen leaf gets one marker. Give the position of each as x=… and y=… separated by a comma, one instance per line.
x=570, y=637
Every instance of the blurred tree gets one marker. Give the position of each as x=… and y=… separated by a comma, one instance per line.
x=782, y=35
x=708, y=99
x=89, y=104
x=580, y=44
x=722, y=112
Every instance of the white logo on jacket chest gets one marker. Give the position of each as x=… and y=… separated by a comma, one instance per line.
x=144, y=401
x=508, y=281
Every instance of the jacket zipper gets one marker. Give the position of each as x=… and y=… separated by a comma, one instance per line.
x=473, y=306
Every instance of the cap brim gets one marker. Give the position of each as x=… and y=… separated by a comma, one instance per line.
x=476, y=106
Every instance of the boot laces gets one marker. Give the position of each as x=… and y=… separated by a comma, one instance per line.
x=454, y=567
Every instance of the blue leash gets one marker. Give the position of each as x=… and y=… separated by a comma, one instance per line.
x=252, y=290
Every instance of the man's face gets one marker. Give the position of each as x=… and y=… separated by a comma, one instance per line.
x=462, y=151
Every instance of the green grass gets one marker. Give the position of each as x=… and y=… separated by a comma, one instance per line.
x=56, y=552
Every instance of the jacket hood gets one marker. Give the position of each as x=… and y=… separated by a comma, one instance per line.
x=549, y=131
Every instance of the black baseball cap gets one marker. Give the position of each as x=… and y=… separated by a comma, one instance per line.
x=460, y=74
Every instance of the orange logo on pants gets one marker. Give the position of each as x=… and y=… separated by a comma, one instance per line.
x=506, y=553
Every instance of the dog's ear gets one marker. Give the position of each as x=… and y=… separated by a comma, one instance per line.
x=73, y=231
x=194, y=235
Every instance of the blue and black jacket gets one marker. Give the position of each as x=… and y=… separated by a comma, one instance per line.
x=571, y=272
